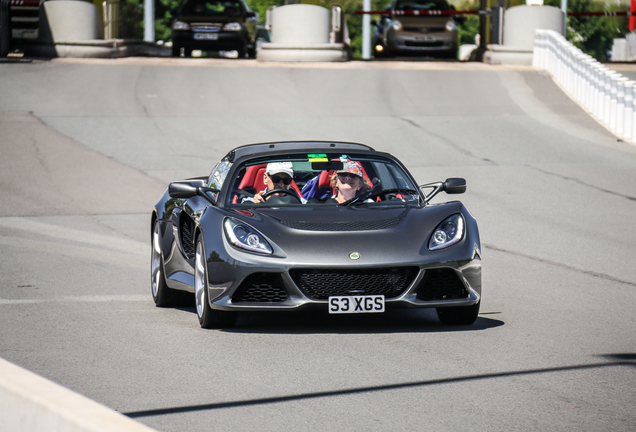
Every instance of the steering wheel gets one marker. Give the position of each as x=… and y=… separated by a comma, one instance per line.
x=290, y=192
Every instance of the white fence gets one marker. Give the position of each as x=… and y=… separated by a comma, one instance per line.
x=604, y=93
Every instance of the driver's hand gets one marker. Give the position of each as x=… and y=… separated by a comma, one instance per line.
x=258, y=198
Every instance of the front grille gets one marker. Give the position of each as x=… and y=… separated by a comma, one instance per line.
x=342, y=226
x=416, y=43
x=320, y=284
x=441, y=284
x=261, y=288
x=206, y=27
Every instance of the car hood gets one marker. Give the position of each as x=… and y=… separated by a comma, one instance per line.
x=328, y=236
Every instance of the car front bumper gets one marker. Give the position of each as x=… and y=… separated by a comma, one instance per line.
x=253, y=282
x=224, y=41
x=414, y=43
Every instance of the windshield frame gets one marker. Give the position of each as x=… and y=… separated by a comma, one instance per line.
x=380, y=165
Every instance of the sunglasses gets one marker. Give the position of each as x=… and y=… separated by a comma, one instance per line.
x=280, y=179
x=345, y=175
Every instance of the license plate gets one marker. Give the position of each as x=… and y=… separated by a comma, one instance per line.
x=356, y=304
x=206, y=36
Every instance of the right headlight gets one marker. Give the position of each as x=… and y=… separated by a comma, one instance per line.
x=397, y=25
x=180, y=25
x=447, y=233
x=233, y=26
x=245, y=237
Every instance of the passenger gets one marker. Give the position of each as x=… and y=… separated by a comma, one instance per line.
x=278, y=175
x=349, y=182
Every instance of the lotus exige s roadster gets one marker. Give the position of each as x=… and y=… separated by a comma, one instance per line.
x=335, y=226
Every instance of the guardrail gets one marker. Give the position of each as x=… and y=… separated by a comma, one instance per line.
x=603, y=93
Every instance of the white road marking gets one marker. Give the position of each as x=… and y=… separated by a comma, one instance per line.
x=80, y=299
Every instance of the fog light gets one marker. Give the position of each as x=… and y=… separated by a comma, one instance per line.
x=379, y=48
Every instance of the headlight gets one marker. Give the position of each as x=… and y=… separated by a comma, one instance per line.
x=451, y=26
x=447, y=233
x=232, y=27
x=397, y=25
x=180, y=25
x=245, y=237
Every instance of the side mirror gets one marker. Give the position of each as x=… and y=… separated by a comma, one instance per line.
x=251, y=14
x=182, y=190
x=455, y=186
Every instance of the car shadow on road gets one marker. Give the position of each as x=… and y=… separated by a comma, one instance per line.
x=618, y=360
x=316, y=321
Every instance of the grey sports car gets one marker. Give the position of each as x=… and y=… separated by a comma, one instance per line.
x=336, y=226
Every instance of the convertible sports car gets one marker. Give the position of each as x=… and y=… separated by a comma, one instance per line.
x=300, y=244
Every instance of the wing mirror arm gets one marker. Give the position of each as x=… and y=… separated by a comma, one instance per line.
x=450, y=186
x=207, y=193
x=437, y=188
x=185, y=190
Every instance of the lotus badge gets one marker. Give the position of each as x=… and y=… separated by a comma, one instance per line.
x=354, y=255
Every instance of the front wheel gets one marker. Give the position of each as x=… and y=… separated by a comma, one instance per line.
x=161, y=293
x=460, y=315
x=208, y=318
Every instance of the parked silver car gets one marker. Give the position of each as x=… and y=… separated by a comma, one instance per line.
x=411, y=29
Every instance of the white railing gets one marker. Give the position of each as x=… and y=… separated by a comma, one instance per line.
x=605, y=94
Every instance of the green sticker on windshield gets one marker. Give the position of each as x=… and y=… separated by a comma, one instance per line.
x=317, y=157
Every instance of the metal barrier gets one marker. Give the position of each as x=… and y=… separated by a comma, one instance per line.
x=123, y=20
x=603, y=93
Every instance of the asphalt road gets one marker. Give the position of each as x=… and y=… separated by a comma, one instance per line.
x=89, y=146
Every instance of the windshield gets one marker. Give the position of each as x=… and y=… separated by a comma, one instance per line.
x=321, y=180
x=212, y=7
x=413, y=5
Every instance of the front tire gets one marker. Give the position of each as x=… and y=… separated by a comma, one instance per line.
x=161, y=293
x=461, y=315
x=208, y=318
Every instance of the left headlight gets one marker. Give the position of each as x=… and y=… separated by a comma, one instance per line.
x=447, y=233
x=245, y=237
x=233, y=26
x=180, y=25
x=451, y=26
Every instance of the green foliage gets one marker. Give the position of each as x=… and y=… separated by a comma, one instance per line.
x=165, y=13
x=595, y=35
x=468, y=25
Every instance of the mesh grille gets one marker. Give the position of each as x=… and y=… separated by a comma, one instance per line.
x=187, y=236
x=441, y=284
x=261, y=288
x=342, y=226
x=319, y=284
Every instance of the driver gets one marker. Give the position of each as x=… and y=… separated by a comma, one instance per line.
x=278, y=175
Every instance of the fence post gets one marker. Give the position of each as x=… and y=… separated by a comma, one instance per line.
x=629, y=110
x=620, y=105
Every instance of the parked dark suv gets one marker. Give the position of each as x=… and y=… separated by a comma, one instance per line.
x=214, y=25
